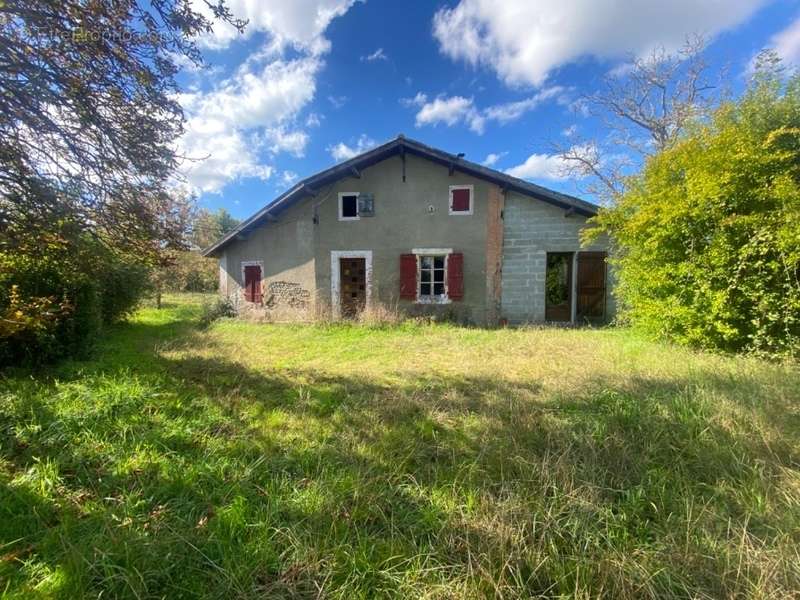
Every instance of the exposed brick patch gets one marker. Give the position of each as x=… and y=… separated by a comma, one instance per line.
x=494, y=253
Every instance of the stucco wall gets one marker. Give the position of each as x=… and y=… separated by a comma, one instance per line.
x=285, y=250
x=531, y=230
x=296, y=252
x=404, y=221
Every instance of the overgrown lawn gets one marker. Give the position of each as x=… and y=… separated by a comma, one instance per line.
x=413, y=461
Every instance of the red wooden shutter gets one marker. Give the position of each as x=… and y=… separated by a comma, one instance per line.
x=461, y=200
x=408, y=277
x=455, y=276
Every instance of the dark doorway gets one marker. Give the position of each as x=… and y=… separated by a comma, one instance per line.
x=252, y=283
x=353, y=286
x=591, y=286
x=558, y=287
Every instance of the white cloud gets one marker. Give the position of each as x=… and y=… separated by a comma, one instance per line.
x=248, y=118
x=523, y=41
x=492, y=158
x=342, y=151
x=540, y=166
x=453, y=110
x=243, y=116
x=570, y=131
x=511, y=111
x=313, y=120
x=787, y=43
x=299, y=23
x=337, y=101
x=280, y=139
x=288, y=177
x=417, y=100
x=379, y=54
x=232, y=155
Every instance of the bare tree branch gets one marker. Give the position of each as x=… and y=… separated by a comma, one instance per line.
x=644, y=110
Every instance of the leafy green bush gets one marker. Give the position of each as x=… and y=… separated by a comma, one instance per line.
x=220, y=308
x=123, y=283
x=708, y=237
x=55, y=300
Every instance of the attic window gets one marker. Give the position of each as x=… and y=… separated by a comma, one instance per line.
x=461, y=199
x=348, y=206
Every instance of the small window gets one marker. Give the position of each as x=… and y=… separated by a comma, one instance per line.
x=348, y=206
x=432, y=270
x=461, y=199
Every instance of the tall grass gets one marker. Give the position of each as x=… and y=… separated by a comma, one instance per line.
x=413, y=460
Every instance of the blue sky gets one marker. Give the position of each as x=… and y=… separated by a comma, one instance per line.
x=312, y=82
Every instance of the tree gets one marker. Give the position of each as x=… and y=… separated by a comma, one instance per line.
x=88, y=121
x=644, y=108
x=89, y=116
x=209, y=227
x=188, y=270
x=708, y=235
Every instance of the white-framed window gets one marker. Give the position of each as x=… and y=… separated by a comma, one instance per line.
x=461, y=199
x=432, y=281
x=432, y=275
x=348, y=206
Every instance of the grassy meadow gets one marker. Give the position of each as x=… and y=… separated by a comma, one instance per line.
x=409, y=461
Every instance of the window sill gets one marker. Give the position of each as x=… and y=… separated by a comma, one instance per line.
x=349, y=218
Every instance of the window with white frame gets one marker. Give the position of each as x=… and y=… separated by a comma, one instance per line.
x=432, y=277
x=461, y=199
x=348, y=206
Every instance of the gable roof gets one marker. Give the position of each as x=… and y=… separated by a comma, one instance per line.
x=400, y=145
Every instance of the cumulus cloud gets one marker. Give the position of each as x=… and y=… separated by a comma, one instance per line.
x=787, y=43
x=300, y=23
x=235, y=127
x=540, y=166
x=492, y=158
x=379, y=54
x=453, y=110
x=288, y=177
x=229, y=126
x=523, y=41
x=450, y=110
x=342, y=151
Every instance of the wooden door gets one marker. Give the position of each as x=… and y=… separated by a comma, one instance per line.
x=353, y=286
x=591, y=286
x=558, y=287
x=252, y=283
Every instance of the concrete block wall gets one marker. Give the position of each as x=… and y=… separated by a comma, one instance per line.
x=531, y=229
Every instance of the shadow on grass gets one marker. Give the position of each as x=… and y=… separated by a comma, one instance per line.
x=198, y=476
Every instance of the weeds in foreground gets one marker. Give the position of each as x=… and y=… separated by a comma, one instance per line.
x=415, y=460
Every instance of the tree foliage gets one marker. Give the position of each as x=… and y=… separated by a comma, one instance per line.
x=708, y=234
x=188, y=270
x=89, y=116
x=88, y=122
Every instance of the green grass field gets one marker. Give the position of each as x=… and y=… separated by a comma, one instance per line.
x=414, y=461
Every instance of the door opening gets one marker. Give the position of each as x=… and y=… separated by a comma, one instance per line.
x=591, y=287
x=558, y=287
x=252, y=283
x=353, y=286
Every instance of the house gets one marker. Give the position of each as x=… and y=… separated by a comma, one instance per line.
x=411, y=226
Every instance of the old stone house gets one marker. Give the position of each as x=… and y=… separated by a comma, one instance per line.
x=424, y=231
